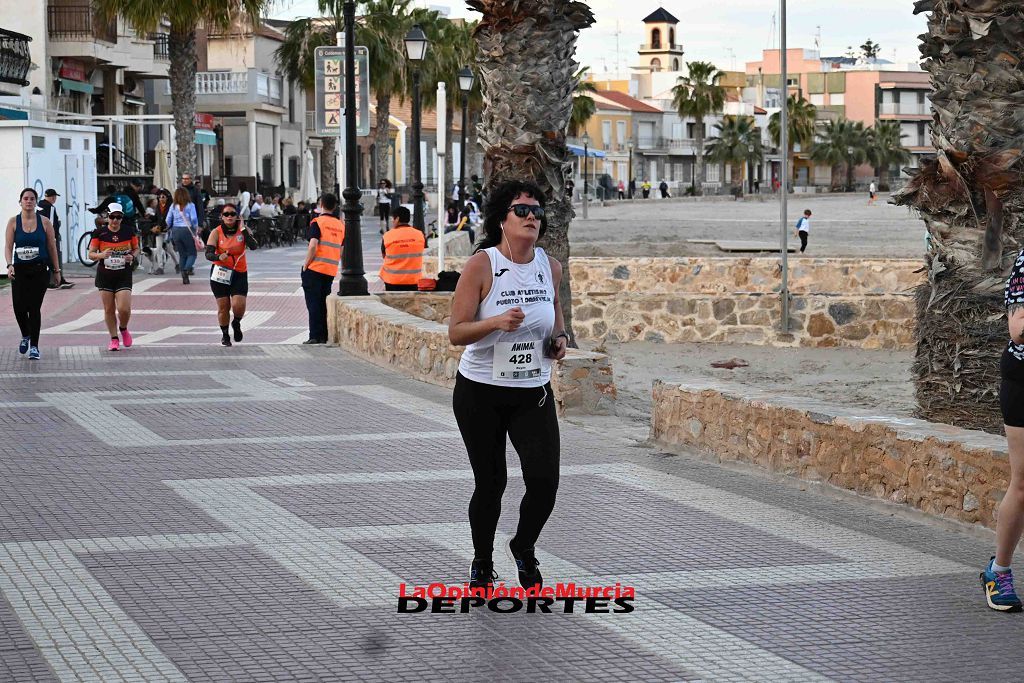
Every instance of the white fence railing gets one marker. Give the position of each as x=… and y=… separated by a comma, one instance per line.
x=911, y=109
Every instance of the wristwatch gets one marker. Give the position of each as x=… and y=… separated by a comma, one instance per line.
x=561, y=334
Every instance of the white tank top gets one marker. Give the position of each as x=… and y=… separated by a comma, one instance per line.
x=530, y=287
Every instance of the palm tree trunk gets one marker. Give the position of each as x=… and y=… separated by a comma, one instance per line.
x=961, y=326
x=850, y=168
x=382, y=139
x=791, y=165
x=883, y=178
x=181, y=47
x=699, y=171
x=532, y=41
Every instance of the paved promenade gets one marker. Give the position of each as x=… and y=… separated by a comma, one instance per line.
x=181, y=511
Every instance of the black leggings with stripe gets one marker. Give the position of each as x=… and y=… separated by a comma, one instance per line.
x=486, y=414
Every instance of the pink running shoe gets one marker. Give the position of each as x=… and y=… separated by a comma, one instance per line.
x=126, y=337
x=114, y=344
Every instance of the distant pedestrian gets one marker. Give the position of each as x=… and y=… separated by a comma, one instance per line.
x=384, y=203
x=663, y=188
x=326, y=238
x=632, y=187
x=243, y=201
x=872, y=193
x=31, y=253
x=47, y=207
x=803, y=228
x=646, y=188
x=757, y=186
x=622, y=190
x=182, y=221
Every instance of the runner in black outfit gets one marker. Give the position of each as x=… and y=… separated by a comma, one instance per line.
x=505, y=311
x=31, y=250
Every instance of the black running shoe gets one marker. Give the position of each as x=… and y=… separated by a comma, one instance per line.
x=527, y=566
x=482, y=574
x=225, y=340
x=236, y=326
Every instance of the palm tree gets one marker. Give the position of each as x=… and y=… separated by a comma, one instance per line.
x=802, y=115
x=842, y=142
x=380, y=28
x=699, y=94
x=969, y=198
x=738, y=143
x=885, y=149
x=184, y=16
x=526, y=66
x=295, y=60
x=583, y=106
x=870, y=50
x=830, y=149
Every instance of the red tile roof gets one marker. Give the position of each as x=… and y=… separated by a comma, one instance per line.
x=624, y=100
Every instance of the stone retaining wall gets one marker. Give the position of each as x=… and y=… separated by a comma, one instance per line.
x=583, y=382
x=816, y=320
x=853, y=303
x=939, y=469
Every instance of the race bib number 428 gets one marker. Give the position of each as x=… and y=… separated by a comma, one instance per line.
x=517, y=360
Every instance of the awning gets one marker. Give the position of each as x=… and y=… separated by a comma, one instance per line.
x=591, y=152
x=206, y=137
x=78, y=86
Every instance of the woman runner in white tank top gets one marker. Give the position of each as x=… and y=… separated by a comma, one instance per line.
x=506, y=313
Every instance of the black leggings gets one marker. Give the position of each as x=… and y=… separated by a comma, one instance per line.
x=27, y=291
x=385, y=212
x=803, y=240
x=486, y=413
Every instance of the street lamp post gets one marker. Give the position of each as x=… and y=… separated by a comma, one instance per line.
x=784, y=186
x=586, y=187
x=353, y=278
x=465, y=85
x=415, y=50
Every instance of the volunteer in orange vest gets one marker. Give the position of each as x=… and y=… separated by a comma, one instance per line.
x=402, y=248
x=326, y=236
x=229, y=275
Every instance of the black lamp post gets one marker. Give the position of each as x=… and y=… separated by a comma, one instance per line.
x=415, y=50
x=353, y=278
x=586, y=188
x=629, y=180
x=465, y=85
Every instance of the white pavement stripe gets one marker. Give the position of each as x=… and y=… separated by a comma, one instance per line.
x=315, y=438
x=76, y=625
x=400, y=400
x=143, y=286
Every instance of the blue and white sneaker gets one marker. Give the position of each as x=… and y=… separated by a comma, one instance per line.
x=482, y=574
x=33, y=353
x=999, y=593
x=526, y=566
x=23, y=346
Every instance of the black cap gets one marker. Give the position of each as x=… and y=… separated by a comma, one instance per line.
x=51, y=193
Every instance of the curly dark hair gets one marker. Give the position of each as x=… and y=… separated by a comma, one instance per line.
x=496, y=208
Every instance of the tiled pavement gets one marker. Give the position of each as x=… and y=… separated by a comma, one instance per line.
x=182, y=511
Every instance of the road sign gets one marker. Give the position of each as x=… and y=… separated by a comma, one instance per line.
x=330, y=90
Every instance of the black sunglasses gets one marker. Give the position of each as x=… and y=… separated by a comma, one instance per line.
x=524, y=210
x=228, y=213
x=115, y=216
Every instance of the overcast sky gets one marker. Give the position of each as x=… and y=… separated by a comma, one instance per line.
x=727, y=32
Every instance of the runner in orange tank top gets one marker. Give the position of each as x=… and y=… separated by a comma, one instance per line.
x=229, y=275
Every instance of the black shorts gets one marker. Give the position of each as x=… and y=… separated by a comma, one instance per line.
x=113, y=280
x=1011, y=390
x=239, y=285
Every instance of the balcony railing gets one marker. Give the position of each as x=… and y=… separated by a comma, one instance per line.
x=910, y=109
x=15, y=59
x=79, y=22
x=254, y=85
x=161, y=47
x=662, y=46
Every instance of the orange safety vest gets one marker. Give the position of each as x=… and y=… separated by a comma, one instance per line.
x=403, y=256
x=328, y=248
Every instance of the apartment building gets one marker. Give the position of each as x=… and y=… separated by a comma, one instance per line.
x=857, y=89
